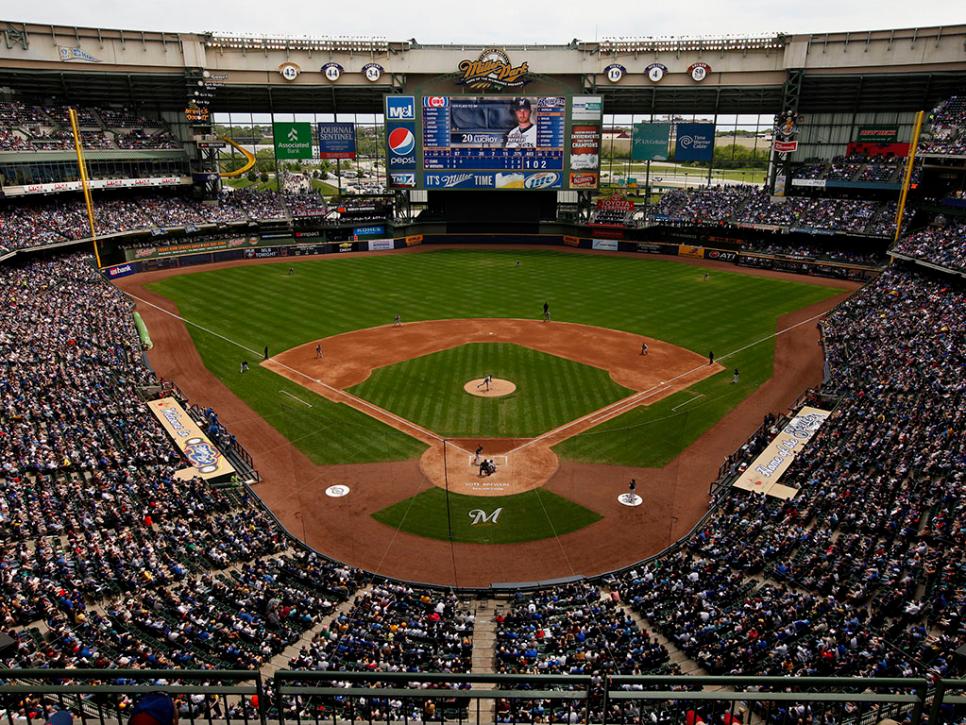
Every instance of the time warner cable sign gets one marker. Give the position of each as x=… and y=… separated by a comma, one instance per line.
x=695, y=142
x=401, y=140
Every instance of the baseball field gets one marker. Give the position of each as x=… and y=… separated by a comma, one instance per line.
x=382, y=407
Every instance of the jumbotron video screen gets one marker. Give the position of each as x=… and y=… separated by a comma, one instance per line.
x=493, y=142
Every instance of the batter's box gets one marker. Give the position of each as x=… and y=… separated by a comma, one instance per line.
x=498, y=461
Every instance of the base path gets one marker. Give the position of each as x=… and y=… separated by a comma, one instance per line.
x=293, y=487
x=528, y=463
x=352, y=356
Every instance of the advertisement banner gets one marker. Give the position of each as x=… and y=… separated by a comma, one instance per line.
x=120, y=270
x=293, y=140
x=695, y=142
x=571, y=241
x=337, y=140
x=656, y=248
x=374, y=230
x=584, y=155
x=813, y=183
x=720, y=254
x=176, y=250
x=205, y=459
x=650, y=141
x=784, y=147
x=878, y=149
x=493, y=180
x=605, y=245
x=584, y=180
x=587, y=108
x=887, y=133
x=689, y=250
x=380, y=245
x=763, y=474
x=60, y=186
x=401, y=141
x=414, y=240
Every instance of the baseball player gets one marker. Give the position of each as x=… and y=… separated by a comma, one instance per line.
x=643, y=348
x=318, y=352
x=476, y=455
x=397, y=321
x=735, y=377
x=524, y=134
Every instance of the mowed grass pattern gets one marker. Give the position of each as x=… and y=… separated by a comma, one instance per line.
x=551, y=391
x=528, y=516
x=258, y=305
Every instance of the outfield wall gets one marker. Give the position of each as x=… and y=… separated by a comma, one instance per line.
x=188, y=255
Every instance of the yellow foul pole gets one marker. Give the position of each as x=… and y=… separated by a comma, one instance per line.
x=907, y=177
x=82, y=167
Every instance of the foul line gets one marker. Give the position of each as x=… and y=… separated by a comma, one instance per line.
x=349, y=396
x=295, y=397
x=687, y=402
x=622, y=406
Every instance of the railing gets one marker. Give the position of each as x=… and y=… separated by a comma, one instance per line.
x=107, y=695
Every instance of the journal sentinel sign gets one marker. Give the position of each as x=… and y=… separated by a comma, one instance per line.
x=695, y=142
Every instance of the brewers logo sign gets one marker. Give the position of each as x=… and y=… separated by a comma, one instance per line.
x=493, y=71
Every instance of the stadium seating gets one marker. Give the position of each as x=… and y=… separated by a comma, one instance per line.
x=27, y=127
x=945, y=129
x=106, y=563
x=750, y=205
x=943, y=242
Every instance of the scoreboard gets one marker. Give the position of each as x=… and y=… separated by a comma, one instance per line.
x=492, y=142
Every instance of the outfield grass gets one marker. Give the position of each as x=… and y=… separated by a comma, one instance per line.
x=258, y=305
x=528, y=516
x=551, y=391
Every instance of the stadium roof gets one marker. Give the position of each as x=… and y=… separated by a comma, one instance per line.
x=887, y=70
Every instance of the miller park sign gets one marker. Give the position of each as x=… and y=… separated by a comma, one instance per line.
x=492, y=71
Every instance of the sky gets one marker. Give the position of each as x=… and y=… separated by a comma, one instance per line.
x=493, y=22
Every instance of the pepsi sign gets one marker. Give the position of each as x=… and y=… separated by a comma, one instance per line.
x=400, y=108
x=402, y=141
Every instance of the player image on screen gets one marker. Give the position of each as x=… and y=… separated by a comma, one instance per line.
x=524, y=134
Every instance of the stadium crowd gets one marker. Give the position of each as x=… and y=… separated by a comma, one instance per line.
x=750, y=205
x=863, y=568
x=28, y=222
x=943, y=242
x=854, y=167
x=945, y=129
x=46, y=127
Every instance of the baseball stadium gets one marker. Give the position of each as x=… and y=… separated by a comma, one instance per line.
x=611, y=381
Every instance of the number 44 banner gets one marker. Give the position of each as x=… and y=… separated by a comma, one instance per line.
x=293, y=140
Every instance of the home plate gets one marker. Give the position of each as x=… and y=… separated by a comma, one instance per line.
x=630, y=499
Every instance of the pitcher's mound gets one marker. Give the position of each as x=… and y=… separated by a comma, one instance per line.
x=498, y=388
